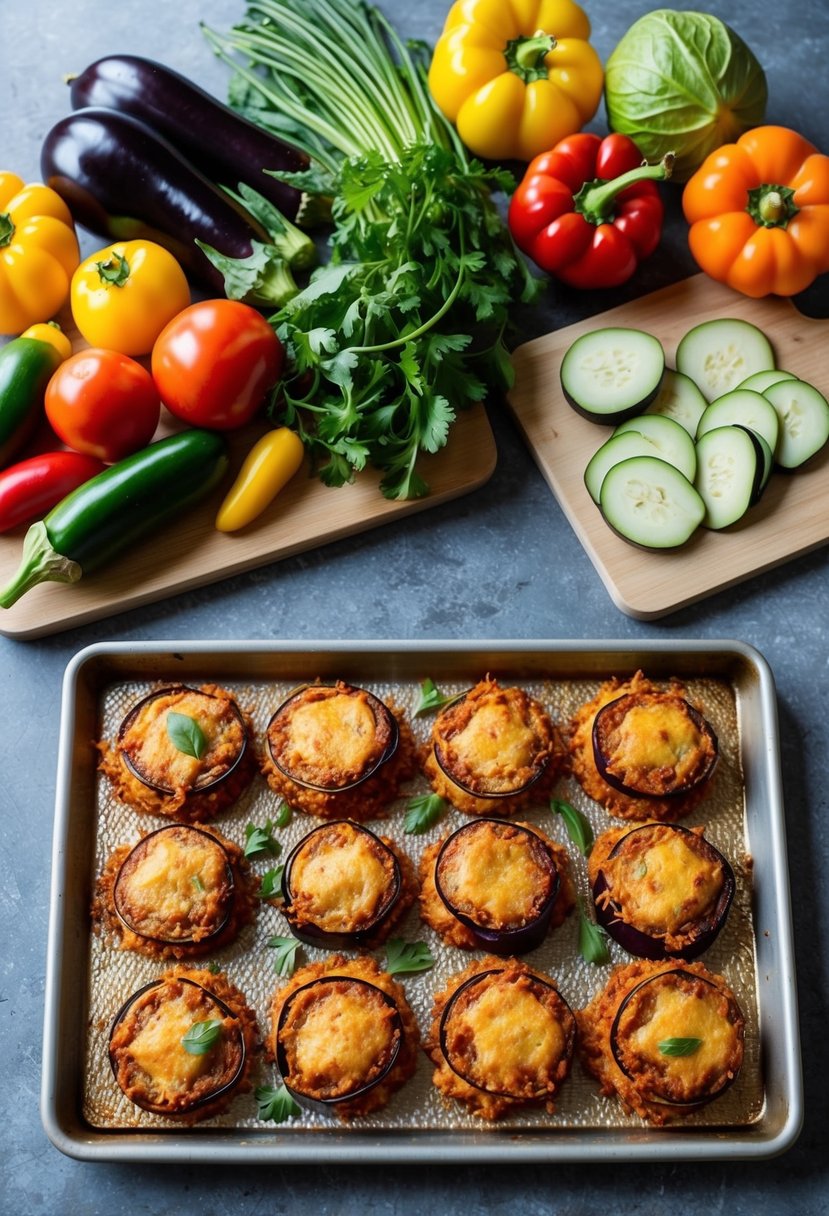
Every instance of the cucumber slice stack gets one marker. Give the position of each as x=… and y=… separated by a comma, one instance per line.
x=692, y=446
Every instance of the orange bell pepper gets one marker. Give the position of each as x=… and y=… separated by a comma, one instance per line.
x=759, y=213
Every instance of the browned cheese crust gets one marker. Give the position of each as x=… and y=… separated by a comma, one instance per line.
x=490, y=742
x=152, y=1066
x=200, y=789
x=502, y=894
x=330, y=735
x=341, y=881
x=682, y=1006
x=339, y=1047
x=183, y=892
x=659, y=881
x=511, y=1033
x=616, y=803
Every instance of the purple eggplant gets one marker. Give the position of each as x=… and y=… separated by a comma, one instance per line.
x=343, y=939
x=632, y=1070
x=225, y=1014
x=146, y=778
x=225, y=147
x=122, y=181
x=504, y=939
x=567, y=1019
x=298, y=1087
x=660, y=781
x=644, y=944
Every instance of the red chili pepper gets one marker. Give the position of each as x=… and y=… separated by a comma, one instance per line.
x=589, y=211
x=32, y=487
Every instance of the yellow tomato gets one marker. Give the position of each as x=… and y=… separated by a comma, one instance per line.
x=516, y=76
x=124, y=295
x=51, y=332
x=38, y=253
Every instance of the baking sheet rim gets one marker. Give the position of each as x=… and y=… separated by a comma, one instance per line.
x=490, y=1145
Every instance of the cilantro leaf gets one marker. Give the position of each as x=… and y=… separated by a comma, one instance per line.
x=258, y=840
x=284, y=962
x=431, y=698
x=422, y=812
x=404, y=958
x=270, y=886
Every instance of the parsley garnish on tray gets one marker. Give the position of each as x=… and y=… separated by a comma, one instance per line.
x=422, y=812
x=405, y=958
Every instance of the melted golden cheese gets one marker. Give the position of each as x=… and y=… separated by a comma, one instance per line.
x=494, y=879
x=334, y=733
x=348, y=880
x=511, y=1030
x=496, y=739
x=658, y=735
x=679, y=1014
x=157, y=1050
x=170, y=882
x=344, y=1038
x=156, y=757
x=666, y=886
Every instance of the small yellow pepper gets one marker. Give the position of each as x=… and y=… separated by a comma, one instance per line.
x=124, y=295
x=268, y=466
x=516, y=76
x=38, y=253
x=51, y=332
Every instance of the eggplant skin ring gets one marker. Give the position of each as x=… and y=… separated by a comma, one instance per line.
x=642, y=737
x=493, y=751
x=665, y=1038
x=338, y=752
x=152, y=774
x=501, y=1037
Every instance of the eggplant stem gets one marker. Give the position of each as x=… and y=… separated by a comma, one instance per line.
x=40, y=563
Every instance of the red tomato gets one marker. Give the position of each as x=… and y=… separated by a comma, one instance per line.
x=215, y=362
x=103, y=404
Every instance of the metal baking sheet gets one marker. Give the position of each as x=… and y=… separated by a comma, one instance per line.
x=86, y=1116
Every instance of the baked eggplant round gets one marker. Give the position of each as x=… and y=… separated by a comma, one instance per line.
x=653, y=745
x=180, y=892
x=182, y=1045
x=338, y=751
x=660, y=890
x=501, y=1036
x=666, y=1038
x=181, y=752
x=493, y=751
x=344, y=1038
x=653, y=756
x=345, y=887
x=497, y=886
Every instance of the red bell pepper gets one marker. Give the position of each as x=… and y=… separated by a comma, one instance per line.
x=589, y=211
x=32, y=487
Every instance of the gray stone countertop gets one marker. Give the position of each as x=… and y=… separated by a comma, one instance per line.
x=500, y=563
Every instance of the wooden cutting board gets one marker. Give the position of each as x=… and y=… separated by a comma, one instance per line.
x=190, y=552
x=793, y=514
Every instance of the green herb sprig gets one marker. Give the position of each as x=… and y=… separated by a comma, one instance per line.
x=186, y=735
x=577, y=825
x=274, y=1103
x=284, y=962
x=422, y=812
x=202, y=1036
x=405, y=958
x=430, y=698
x=270, y=885
x=680, y=1046
x=593, y=945
x=260, y=841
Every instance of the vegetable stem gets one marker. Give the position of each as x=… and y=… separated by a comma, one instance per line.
x=526, y=57
x=40, y=563
x=595, y=199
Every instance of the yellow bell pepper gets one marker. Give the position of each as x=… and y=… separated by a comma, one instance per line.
x=124, y=295
x=516, y=76
x=38, y=253
x=51, y=332
x=268, y=466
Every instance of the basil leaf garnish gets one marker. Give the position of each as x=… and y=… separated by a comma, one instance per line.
x=422, y=812
x=578, y=827
x=186, y=735
x=201, y=1036
x=679, y=1046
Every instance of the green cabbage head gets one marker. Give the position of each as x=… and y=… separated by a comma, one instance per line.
x=684, y=83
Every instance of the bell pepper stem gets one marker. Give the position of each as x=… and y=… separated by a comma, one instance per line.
x=6, y=229
x=526, y=57
x=772, y=206
x=595, y=199
x=40, y=563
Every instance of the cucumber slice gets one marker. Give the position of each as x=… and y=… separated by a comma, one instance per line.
x=615, y=449
x=608, y=375
x=728, y=469
x=760, y=381
x=718, y=355
x=804, y=421
x=648, y=502
x=765, y=464
x=680, y=399
x=744, y=408
x=666, y=439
